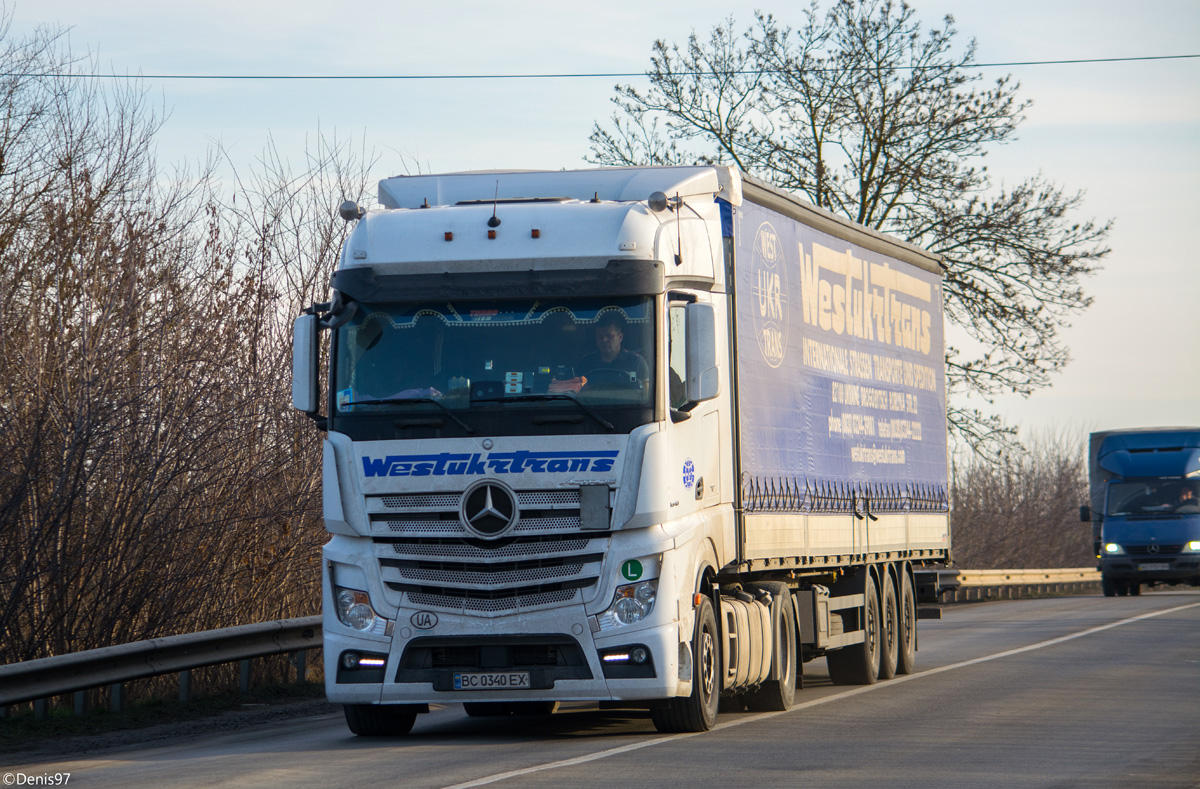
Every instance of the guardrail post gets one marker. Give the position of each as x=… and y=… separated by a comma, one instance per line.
x=185, y=686
x=300, y=661
x=116, y=697
x=80, y=702
x=244, y=685
x=39, y=709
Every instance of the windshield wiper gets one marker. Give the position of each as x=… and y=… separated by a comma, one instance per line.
x=399, y=400
x=536, y=397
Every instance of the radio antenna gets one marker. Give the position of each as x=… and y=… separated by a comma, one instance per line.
x=495, y=220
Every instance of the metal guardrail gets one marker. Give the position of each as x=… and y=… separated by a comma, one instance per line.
x=33, y=680
x=962, y=585
x=36, y=680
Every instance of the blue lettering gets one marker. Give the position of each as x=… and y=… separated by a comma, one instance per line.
x=476, y=464
x=376, y=467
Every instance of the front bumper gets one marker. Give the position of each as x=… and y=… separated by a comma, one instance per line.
x=1182, y=568
x=558, y=650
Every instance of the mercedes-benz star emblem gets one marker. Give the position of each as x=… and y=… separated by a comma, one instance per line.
x=1152, y=548
x=488, y=509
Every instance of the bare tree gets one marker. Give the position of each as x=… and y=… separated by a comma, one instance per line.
x=153, y=476
x=866, y=115
x=1022, y=510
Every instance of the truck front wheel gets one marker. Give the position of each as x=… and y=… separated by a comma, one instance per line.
x=1108, y=586
x=380, y=720
x=698, y=712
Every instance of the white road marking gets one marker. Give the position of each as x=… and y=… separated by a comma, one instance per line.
x=891, y=683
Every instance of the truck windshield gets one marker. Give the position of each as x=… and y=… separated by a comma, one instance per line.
x=574, y=359
x=1154, y=497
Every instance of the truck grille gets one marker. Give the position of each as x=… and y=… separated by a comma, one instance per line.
x=1144, y=550
x=425, y=553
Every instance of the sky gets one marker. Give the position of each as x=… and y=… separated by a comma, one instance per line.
x=1127, y=134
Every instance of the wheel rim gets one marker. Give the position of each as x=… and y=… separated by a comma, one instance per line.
x=707, y=664
x=872, y=627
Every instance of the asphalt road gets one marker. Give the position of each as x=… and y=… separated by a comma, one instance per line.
x=1080, y=691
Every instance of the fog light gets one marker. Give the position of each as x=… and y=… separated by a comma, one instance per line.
x=350, y=660
x=638, y=655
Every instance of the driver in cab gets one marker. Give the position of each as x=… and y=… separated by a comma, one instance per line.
x=610, y=363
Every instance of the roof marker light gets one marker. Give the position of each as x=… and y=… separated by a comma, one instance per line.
x=535, y=233
x=449, y=236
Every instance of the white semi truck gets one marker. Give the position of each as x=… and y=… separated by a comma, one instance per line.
x=647, y=437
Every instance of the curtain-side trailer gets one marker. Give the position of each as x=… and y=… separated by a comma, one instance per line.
x=649, y=437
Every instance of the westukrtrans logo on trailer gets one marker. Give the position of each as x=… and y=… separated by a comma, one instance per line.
x=770, y=289
x=470, y=464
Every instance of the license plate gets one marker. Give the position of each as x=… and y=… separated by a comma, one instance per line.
x=1154, y=566
x=492, y=680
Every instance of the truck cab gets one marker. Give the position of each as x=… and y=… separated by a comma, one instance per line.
x=1145, y=508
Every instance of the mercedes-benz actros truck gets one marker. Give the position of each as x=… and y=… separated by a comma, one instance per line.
x=644, y=437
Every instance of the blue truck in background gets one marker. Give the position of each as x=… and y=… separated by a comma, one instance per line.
x=1144, y=490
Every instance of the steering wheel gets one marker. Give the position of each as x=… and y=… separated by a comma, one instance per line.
x=609, y=378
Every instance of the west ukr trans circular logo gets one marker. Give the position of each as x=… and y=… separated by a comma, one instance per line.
x=769, y=295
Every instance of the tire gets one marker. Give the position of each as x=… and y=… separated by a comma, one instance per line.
x=1108, y=586
x=778, y=692
x=534, y=707
x=889, y=630
x=906, y=657
x=1134, y=588
x=487, y=709
x=697, y=712
x=380, y=720
x=858, y=664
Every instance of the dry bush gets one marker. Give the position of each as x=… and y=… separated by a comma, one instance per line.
x=153, y=476
x=1021, y=511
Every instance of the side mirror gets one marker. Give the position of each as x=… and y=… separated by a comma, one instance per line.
x=305, y=392
x=703, y=377
x=1085, y=513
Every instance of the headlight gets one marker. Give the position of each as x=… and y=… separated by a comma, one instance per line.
x=354, y=609
x=632, y=603
x=1112, y=549
x=1192, y=547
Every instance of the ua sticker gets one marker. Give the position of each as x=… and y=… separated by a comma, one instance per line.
x=424, y=620
x=631, y=570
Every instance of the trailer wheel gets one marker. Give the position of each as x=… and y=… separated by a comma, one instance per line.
x=906, y=660
x=777, y=693
x=380, y=720
x=698, y=712
x=858, y=664
x=1108, y=586
x=889, y=631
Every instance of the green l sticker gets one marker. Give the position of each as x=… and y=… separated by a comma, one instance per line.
x=631, y=570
